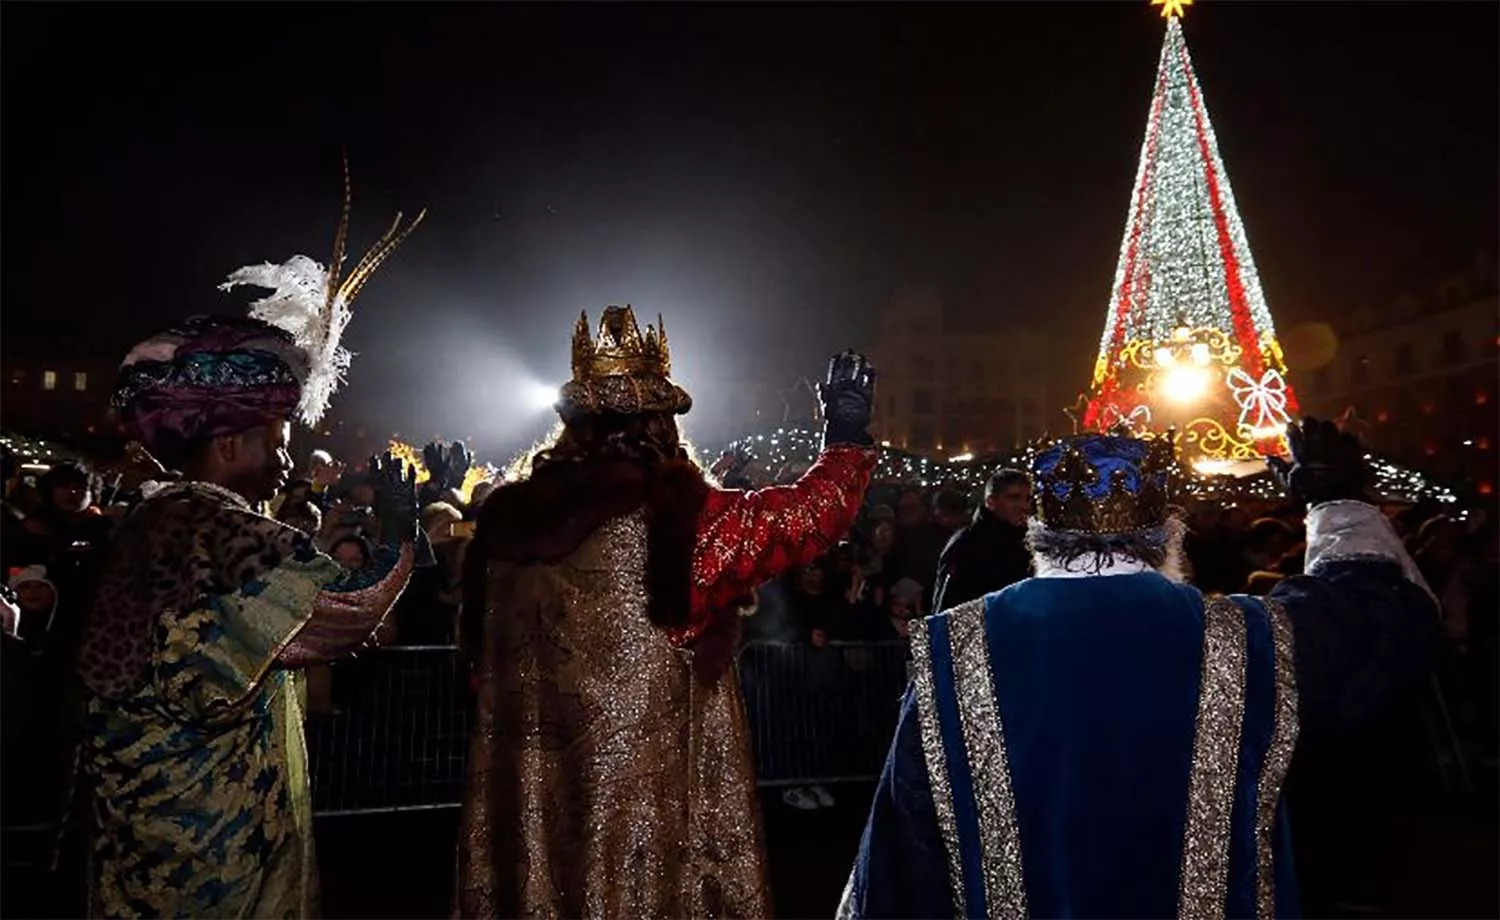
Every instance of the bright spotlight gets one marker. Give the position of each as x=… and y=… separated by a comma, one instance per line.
x=538, y=396
x=1184, y=384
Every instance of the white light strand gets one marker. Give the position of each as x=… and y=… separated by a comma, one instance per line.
x=1177, y=275
x=792, y=450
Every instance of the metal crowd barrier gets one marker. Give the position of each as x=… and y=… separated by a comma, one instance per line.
x=398, y=737
x=821, y=715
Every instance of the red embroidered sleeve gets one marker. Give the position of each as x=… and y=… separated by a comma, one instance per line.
x=748, y=538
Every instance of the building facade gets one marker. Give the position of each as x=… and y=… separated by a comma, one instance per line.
x=58, y=398
x=1420, y=379
x=948, y=390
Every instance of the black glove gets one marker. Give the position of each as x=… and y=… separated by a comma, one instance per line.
x=848, y=399
x=447, y=465
x=1327, y=465
x=395, y=486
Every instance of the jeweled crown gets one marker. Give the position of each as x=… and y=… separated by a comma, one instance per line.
x=1103, y=483
x=620, y=349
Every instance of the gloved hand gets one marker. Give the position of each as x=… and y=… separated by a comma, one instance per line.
x=1327, y=465
x=848, y=398
x=447, y=465
x=395, y=486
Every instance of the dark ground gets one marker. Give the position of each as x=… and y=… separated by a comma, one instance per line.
x=402, y=865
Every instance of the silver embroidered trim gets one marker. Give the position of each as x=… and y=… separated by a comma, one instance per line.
x=1278, y=758
x=1216, y=748
x=989, y=769
x=1351, y=530
x=846, y=900
x=937, y=760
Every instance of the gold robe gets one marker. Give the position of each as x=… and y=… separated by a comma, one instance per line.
x=605, y=781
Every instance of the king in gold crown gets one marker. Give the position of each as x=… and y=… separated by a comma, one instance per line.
x=1103, y=484
x=621, y=370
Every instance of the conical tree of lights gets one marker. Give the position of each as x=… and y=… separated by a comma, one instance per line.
x=1188, y=343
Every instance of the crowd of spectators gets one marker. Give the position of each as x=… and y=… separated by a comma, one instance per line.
x=913, y=550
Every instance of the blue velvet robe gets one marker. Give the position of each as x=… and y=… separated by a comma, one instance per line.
x=1063, y=752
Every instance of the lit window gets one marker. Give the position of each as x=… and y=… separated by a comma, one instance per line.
x=49, y=380
x=80, y=381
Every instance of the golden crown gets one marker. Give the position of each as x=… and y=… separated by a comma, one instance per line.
x=620, y=349
x=621, y=370
x=1098, y=496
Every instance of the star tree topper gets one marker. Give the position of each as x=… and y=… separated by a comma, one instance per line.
x=1172, y=9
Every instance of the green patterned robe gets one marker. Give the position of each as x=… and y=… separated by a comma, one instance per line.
x=200, y=781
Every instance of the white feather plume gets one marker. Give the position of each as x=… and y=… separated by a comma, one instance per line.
x=296, y=304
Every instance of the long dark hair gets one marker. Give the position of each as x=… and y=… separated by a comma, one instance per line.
x=649, y=438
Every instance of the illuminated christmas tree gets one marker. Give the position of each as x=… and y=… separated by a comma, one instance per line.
x=1189, y=343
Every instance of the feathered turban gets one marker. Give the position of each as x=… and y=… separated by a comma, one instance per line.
x=209, y=376
x=213, y=376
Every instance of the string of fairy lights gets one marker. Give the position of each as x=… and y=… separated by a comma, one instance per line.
x=785, y=453
x=35, y=450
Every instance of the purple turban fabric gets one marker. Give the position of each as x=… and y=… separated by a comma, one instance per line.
x=208, y=377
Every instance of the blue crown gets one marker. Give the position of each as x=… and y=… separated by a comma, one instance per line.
x=1097, y=483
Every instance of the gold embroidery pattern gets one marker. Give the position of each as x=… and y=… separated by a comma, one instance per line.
x=1216, y=747
x=937, y=761
x=989, y=769
x=603, y=781
x=1278, y=758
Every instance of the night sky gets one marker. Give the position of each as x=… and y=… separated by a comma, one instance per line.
x=766, y=176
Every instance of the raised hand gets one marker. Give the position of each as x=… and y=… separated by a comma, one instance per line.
x=1327, y=465
x=447, y=465
x=459, y=461
x=848, y=398
x=435, y=459
x=396, y=509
